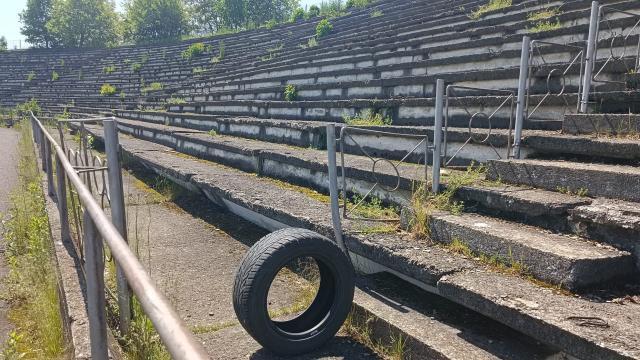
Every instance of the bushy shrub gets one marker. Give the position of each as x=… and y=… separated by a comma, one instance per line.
x=136, y=67
x=194, y=50
x=298, y=14
x=55, y=76
x=290, y=93
x=31, y=76
x=357, y=3
x=107, y=90
x=109, y=69
x=314, y=11
x=323, y=28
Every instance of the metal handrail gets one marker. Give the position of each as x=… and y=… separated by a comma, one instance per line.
x=173, y=332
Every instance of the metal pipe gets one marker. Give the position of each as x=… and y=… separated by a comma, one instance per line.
x=180, y=343
x=594, y=24
x=118, y=215
x=96, y=302
x=437, y=136
x=521, y=103
x=62, y=201
x=333, y=186
x=51, y=187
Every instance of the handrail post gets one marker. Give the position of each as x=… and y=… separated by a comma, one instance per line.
x=62, y=201
x=49, y=165
x=333, y=186
x=521, y=103
x=437, y=137
x=42, y=149
x=96, y=303
x=118, y=215
x=594, y=24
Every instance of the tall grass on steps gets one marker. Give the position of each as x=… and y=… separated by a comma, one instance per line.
x=31, y=286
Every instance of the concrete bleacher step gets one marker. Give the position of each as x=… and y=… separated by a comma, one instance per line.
x=567, y=261
x=300, y=166
x=596, y=180
x=542, y=313
x=526, y=202
x=604, y=124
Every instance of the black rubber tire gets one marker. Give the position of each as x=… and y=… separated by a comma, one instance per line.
x=324, y=317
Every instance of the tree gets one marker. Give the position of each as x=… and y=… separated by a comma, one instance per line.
x=84, y=23
x=34, y=20
x=155, y=20
x=3, y=44
x=234, y=13
x=262, y=11
x=207, y=16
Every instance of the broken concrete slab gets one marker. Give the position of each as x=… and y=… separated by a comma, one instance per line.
x=567, y=261
x=584, y=329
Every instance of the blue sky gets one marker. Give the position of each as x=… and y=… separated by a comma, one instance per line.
x=10, y=22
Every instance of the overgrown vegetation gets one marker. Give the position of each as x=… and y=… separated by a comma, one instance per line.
x=32, y=284
x=55, y=76
x=506, y=265
x=107, y=90
x=290, y=93
x=368, y=118
x=136, y=67
x=109, y=69
x=194, y=50
x=324, y=28
x=545, y=25
x=492, y=5
x=31, y=76
x=359, y=326
x=424, y=203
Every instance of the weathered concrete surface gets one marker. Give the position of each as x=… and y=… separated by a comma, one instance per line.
x=567, y=261
x=613, y=221
x=587, y=330
x=612, y=181
x=545, y=142
x=8, y=180
x=614, y=124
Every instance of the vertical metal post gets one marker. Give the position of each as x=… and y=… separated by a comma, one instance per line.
x=62, y=201
x=43, y=140
x=591, y=55
x=521, y=104
x=96, y=303
x=61, y=134
x=437, y=136
x=118, y=215
x=49, y=164
x=333, y=186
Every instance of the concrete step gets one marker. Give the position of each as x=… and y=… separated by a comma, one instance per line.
x=547, y=318
x=613, y=221
x=570, y=262
x=622, y=125
x=592, y=330
x=596, y=180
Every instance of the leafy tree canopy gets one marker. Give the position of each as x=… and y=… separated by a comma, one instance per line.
x=84, y=23
x=155, y=20
x=34, y=20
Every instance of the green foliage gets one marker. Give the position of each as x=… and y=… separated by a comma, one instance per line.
x=34, y=20
x=298, y=15
x=492, y=5
x=31, y=284
x=290, y=93
x=198, y=70
x=136, y=67
x=175, y=101
x=31, y=76
x=546, y=25
x=357, y=3
x=55, y=76
x=314, y=11
x=221, y=49
x=107, y=90
x=194, y=50
x=269, y=12
x=323, y=28
x=155, y=20
x=207, y=15
x=109, y=69
x=26, y=107
x=154, y=86
x=368, y=118
x=84, y=23
x=3, y=44
x=271, y=24
x=376, y=13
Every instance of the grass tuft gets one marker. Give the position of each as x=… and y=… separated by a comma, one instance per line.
x=492, y=5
